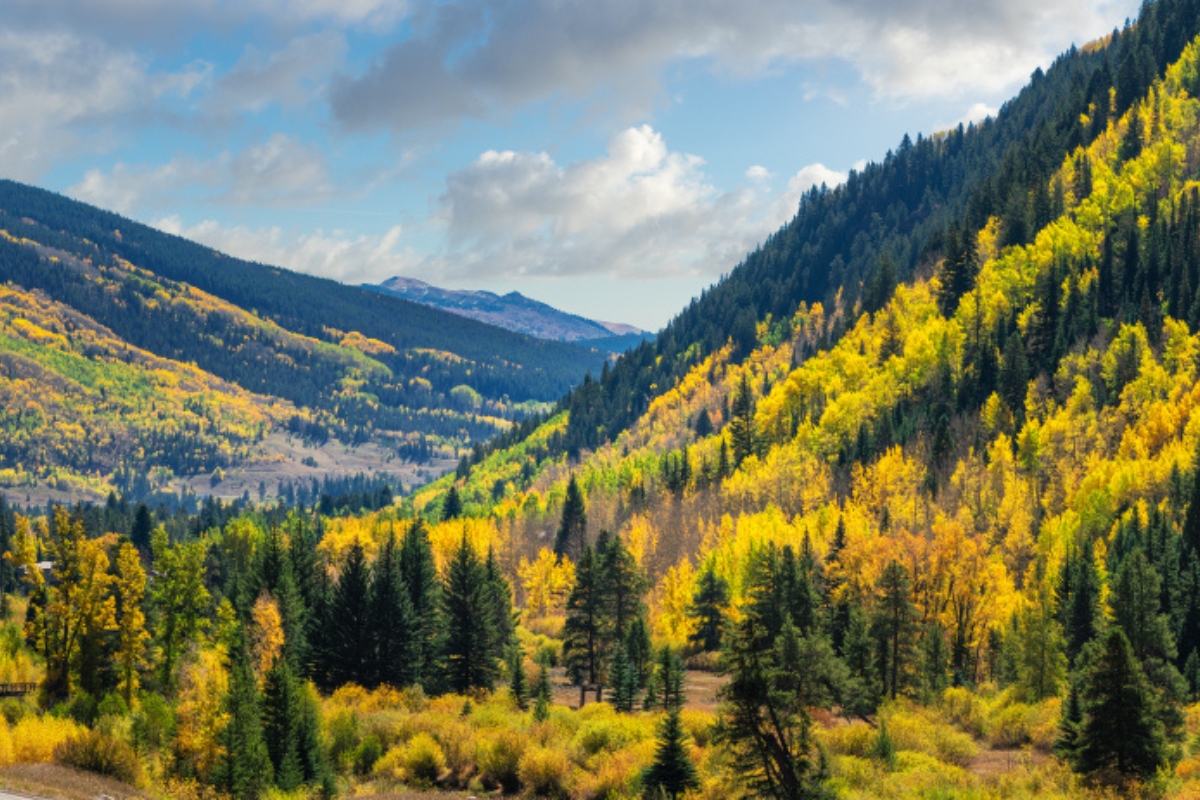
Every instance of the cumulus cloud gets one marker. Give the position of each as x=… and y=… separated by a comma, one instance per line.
x=338, y=254
x=279, y=172
x=59, y=93
x=640, y=210
x=483, y=57
x=758, y=174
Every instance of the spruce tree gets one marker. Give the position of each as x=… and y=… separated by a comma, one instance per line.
x=452, y=505
x=424, y=587
x=142, y=530
x=572, y=529
x=623, y=680
x=471, y=635
x=742, y=432
x=518, y=682
x=622, y=586
x=349, y=638
x=281, y=710
x=499, y=599
x=245, y=771
x=709, y=606
x=392, y=622
x=670, y=679
x=1119, y=736
x=583, y=633
x=1080, y=589
x=894, y=628
x=672, y=773
x=543, y=696
x=639, y=649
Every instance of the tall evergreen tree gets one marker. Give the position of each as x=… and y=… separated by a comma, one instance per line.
x=424, y=587
x=142, y=530
x=583, y=633
x=893, y=627
x=742, y=432
x=572, y=528
x=281, y=715
x=392, y=622
x=672, y=773
x=1120, y=735
x=709, y=607
x=245, y=771
x=623, y=584
x=452, y=505
x=471, y=635
x=348, y=634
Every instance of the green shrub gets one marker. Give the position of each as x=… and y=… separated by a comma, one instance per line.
x=366, y=754
x=422, y=760
x=101, y=753
x=499, y=759
x=153, y=723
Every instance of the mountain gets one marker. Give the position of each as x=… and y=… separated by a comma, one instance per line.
x=338, y=364
x=513, y=312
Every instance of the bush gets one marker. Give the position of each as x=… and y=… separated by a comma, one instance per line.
x=366, y=754
x=854, y=739
x=34, y=739
x=342, y=732
x=699, y=724
x=499, y=759
x=544, y=772
x=1011, y=726
x=153, y=723
x=13, y=710
x=705, y=662
x=420, y=762
x=101, y=753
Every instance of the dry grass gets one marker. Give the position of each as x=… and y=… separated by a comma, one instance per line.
x=63, y=783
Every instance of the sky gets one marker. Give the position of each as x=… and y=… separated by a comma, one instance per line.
x=610, y=157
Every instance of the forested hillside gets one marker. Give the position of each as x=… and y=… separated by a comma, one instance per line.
x=929, y=527
x=354, y=366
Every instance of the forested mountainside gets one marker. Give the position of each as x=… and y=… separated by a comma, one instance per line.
x=932, y=533
x=515, y=312
x=847, y=245
x=334, y=362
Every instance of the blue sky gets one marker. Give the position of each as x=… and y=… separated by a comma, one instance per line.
x=611, y=157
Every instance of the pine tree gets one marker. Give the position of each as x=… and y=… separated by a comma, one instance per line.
x=572, y=529
x=391, y=621
x=1191, y=524
x=1042, y=663
x=1119, y=733
x=934, y=661
x=499, y=599
x=281, y=709
x=543, y=696
x=471, y=635
x=142, y=530
x=349, y=637
x=894, y=628
x=245, y=772
x=672, y=773
x=623, y=680
x=639, y=649
x=1014, y=376
x=518, y=682
x=742, y=432
x=709, y=606
x=1080, y=589
x=670, y=679
x=452, y=505
x=622, y=586
x=1068, y=727
x=583, y=633
x=421, y=577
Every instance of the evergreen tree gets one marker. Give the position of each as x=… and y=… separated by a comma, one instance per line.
x=622, y=586
x=281, y=712
x=862, y=685
x=1068, y=727
x=1079, y=593
x=498, y=595
x=471, y=635
x=623, y=680
x=348, y=635
x=420, y=576
x=543, y=696
x=934, y=661
x=1191, y=523
x=583, y=633
x=670, y=679
x=518, y=682
x=709, y=607
x=672, y=773
x=1119, y=733
x=894, y=628
x=142, y=531
x=452, y=505
x=1042, y=662
x=392, y=622
x=742, y=432
x=245, y=771
x=572, y=529
x=1014, y=376
x=639, y=649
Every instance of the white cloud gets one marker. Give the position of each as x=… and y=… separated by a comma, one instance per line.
x=758, y=174
x=638, y=211
x=59, y=93
x=338, y=254
x=278, y=172
x=485, y=58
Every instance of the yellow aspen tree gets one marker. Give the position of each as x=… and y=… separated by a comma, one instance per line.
x=266, y=635
x=201, y=713
x=547, y=581
x=131, y=622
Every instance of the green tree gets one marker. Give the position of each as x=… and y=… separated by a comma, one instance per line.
x=281, y=711
x=572, y=528
x=179, y=598
x=672, y=773
x=471, y=637
x=452, y=505
x=391, y=621
x=1120, y=736
x=894, y=626
x=421, y=577
x=518, y=681
x=1042, y=665
x=246, y=771
x=623, y=678
x=583, y=632
x=349, y=638
x=709, y=606
x=742, y=430
x=623, y=586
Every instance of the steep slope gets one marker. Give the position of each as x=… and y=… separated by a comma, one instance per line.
x=981, y=436
x=513, y=311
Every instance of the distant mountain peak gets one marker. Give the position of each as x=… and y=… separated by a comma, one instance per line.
x=512, y=311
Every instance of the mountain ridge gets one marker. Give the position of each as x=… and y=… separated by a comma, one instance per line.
x=512, y=311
